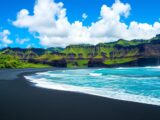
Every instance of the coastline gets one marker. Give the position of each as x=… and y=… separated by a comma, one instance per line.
x=22, y=101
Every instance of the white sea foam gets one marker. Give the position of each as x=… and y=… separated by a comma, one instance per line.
x=121, y=68
x=155, y=67
x=95, y=74
x=53, y=74
x=126, y=68
x=100, y=69
x=43, y=73
x=58, y=75
x=103, y=92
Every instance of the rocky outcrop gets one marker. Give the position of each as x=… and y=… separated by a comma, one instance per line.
x=55, y=63
x=96, y=63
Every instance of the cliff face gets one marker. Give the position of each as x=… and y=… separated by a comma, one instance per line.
x=120, y=53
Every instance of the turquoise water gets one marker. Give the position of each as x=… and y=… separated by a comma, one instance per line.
x=131, y=84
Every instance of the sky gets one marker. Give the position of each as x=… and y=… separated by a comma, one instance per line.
x=58, y=23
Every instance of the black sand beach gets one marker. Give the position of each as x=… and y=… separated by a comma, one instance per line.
x=19, y=100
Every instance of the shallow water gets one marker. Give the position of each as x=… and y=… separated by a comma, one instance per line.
x=131, y=84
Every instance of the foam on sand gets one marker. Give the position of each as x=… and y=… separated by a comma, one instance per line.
x=103, y=92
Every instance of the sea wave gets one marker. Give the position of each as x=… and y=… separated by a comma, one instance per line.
x=103, y=92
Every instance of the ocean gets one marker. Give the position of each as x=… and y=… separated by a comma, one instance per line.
x=137, y=84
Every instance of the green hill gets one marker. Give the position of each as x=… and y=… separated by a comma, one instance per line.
x=84, y=55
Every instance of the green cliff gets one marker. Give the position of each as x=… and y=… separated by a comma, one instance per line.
x=119, y=53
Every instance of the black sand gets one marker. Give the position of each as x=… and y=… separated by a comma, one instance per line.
x=19, y=100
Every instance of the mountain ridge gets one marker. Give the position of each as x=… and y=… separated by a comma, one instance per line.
x=113, y=54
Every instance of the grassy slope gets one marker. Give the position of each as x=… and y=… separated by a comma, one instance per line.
x=118, y=61
x=120, y=55
x=50, y=57
x=8, y=61
x=77, y=63
x=77, y=49
x=106, y=48
x=31, y=65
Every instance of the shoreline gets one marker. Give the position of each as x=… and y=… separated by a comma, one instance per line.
x=22, y=101
x=91, y=91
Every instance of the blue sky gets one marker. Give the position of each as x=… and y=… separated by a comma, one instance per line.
x=142, y=11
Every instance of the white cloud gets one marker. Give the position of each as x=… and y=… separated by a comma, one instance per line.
x=143, y=30
x=121, y=9
x=51, y=23
x=84, y=16
x=22, y=41
x=4, y=38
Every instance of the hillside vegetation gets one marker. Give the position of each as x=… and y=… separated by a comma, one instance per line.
x=9, y=61
x=119, y=53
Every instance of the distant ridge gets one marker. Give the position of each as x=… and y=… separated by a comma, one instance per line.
x=119, y=53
